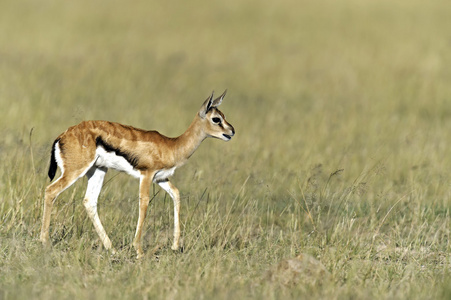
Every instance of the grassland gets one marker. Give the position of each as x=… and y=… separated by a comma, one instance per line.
x=343, y=119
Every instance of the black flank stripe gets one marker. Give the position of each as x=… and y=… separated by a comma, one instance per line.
x=132, y=159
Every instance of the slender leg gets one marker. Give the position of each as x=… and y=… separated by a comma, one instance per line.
x=144, y=190
x=175, y=195
x=51, y=192
x=95, y=181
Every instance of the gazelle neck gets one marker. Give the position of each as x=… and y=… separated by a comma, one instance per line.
x=187, y=143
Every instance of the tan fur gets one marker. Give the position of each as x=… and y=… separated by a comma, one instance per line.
x=148, y=151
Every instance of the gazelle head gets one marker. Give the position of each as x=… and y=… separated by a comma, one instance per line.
x=215, y=124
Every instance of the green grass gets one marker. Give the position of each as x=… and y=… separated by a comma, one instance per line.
x=343, y=120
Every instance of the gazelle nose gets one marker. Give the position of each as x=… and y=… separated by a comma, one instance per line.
x=233, y=131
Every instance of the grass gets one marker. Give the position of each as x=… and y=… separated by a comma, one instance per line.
x=342, y=148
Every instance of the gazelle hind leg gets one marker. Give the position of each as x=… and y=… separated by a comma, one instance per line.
x=95, y=182
x=175, y=195
x=51, y=192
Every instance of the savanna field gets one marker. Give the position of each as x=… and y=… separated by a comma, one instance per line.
x=341, y=159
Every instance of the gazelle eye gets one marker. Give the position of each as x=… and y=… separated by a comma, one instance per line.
x=216, y=120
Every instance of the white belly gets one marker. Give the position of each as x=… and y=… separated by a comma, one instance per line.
x=163, y=174
x=112, y=161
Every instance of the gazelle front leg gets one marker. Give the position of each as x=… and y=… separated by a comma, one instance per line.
x=175, y=195
x=144, y=198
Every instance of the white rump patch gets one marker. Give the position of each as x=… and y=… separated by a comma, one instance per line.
x=58, y=158
x=112, y=161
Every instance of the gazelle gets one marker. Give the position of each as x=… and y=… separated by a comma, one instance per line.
x=92, y=147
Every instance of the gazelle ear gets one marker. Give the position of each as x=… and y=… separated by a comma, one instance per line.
x=206, y=106
x=218, y=100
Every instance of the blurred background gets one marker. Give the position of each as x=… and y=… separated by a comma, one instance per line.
x=317, y=81
x=305, y=78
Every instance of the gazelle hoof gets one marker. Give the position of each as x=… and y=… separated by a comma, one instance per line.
x=45, y=242
x=177, y=249
x=140, y=255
